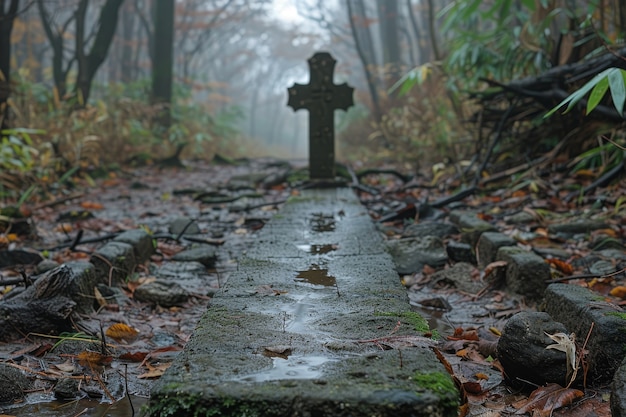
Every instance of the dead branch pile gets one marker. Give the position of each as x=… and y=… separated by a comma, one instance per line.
x=511, y=129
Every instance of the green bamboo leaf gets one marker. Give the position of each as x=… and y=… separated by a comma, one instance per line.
x=618, y=89
x=576, y=96
x=597, y=94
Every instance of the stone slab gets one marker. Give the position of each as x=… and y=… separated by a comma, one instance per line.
x=314, y=322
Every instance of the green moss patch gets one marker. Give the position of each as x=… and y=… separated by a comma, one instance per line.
x=438, y=382
x=416, y=320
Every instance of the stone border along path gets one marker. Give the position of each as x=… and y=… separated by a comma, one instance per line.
x=299, y=329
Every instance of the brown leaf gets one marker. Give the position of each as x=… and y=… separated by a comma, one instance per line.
x=93, y=360
x=122, y=332
x=268, y=290
x=134, y=357
x=472, y=387
x=561, y=266
x=155, y=371
x=544, y=400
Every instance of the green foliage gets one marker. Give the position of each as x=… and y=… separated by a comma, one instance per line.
x=16, y=149
x=415, y=77
x=613, y=79
x=494, y=40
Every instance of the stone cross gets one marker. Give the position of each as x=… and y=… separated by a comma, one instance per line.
x=321, y=97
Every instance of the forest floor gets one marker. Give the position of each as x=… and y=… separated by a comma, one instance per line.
x=151, y=198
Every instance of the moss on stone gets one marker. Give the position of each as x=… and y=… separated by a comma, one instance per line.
x=616, y=314
x=440, y=383
x=416, y=320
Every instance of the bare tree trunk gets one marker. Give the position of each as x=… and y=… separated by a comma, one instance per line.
x=365, y=51
x=56, y=39
x=163, y=62
x=128, y=32
x=88, y=64
x=431, y=30
x=422, y=52
x=388, y=25
x=6, y=26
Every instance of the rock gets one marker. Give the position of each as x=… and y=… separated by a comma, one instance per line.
x=113, y=295
x=522, y=350
x=19, y=257
x=521, y=217
x=191, y=276
x=576, y=227
x=84, y=279
x=411, y=254
x=526, y=273
x=618, y=392
x=471, y=226
x=114, y=262
x=66, y=389
x=578, y=308
x=438, y=229
x=165, y=294
x=45, y=266
x=140, y=240
x=602, y=267
x=206, y=255
x=461, y=276
x=184, y=223
x=548, y=253
x=488, y=245
x=13, y=383
x=460, y=252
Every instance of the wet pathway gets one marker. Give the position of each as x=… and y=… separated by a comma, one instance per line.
x=314, y=322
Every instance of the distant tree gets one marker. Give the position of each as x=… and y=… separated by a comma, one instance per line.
x=7, y=17
x=388, y=25
x=89, y=62
x=163, y=59
x=359, y=24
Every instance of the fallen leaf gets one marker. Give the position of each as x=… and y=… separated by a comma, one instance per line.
x=472, y=387
x=561, y=266
x=91, y=205
x=268, y=290
x=280, y=351
x=99, y=298
x=122, y=332
x=134, y=357
x=67, y=366
x=544, y=400
x=565, y=343
x=93, y=360
x=155, y=371
x=619, y=291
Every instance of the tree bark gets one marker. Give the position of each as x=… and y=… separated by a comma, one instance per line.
x=163, y=62
x=88, y=64
x=7, y=18
x=388, y=25
x=44, y=307
x=431, y=30
x=422, y=52
x=128, y=32
x=56, y=39
x=365, y=52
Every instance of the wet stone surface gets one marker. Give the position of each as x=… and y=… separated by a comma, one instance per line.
x=297, y=329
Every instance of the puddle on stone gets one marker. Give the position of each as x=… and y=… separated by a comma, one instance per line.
x=323, y=222
x=294, y=367
x=316, y=276
x=318, y=249
x=298, y=318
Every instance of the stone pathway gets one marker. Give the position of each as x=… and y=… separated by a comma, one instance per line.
x=314, y=322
